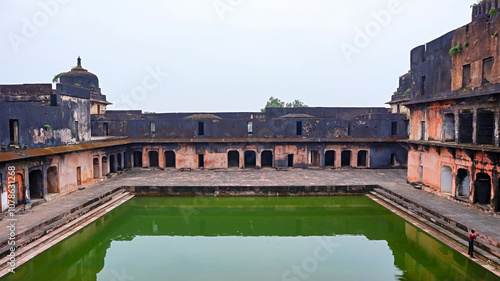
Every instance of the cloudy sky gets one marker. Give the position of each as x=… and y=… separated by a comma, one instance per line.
x=224, y=55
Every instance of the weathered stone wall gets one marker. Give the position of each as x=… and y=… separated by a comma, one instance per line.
x=32, y=93
x=59, y=174
x=431, y=68
x=481, y=10
x=426, y=167
x=378, y=155
x=317, y=123
x=44, y=124
x=479, y=42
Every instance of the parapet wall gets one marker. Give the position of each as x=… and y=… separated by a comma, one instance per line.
x=33, y=93
x=482, y=9
x=431, y=68
x=310, y=123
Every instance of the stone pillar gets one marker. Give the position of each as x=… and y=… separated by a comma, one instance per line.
x=44, y=182
x=99, y=158
x=472, y=195
x=145, y=157
x=497, y=127
x=354, y=157
x=241, y=152
x=258, y=159
x=161, y=158
x=454, y=172
x=474, y=126
x=494, y=191
x=338, y=158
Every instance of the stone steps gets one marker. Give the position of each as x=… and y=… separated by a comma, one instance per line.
x=82, y=207
x=487, y=239
x=33, y=242
x=453, y=231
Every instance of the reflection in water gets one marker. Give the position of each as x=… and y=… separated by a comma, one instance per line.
x=250, y=239
x=249, y=258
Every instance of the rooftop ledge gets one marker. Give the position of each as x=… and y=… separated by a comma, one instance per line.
x=463, y=146
x=484, y=90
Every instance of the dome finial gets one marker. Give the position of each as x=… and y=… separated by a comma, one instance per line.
x=79, y=62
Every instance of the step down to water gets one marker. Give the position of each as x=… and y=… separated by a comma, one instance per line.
x=35, y=233
x=489, y=240
x=487, y=252
x=46, y=237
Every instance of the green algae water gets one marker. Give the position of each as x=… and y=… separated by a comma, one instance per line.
x=258, y=239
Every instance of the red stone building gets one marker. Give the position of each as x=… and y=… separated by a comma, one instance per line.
x=455, y=114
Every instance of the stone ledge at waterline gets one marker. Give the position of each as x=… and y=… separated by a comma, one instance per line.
x=250, y=190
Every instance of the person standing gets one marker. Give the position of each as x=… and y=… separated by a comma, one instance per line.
x=472, y=237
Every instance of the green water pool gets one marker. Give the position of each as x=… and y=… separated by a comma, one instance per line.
x=259, y=239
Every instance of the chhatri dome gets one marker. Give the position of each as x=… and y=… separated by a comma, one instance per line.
x=80, y=77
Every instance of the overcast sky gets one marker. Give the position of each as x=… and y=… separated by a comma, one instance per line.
x=224, y=55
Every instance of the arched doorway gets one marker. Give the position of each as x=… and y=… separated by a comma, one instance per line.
x=266, y=159
x=233, y=159
x=483, y=188
x=330, y=158
x=446, y=179
x=104, y=163
x=250, y=159
x=119, y=161
x=36, y=184
x=201, y=161
x=96, y=168
x=346, y=158
x=362, y=158
x=463, y=183
x=394, y=160
x=137, y=159
x=169, y=159
x=314, y=158
x=52, y=180
x=17, y=191
x=112, y=166
x=153, y=159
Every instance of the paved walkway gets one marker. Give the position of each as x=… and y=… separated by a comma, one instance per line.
x=394, y=180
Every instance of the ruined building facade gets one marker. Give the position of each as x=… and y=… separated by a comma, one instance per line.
x=55, y=141
x=455, y=114
x=278, y=138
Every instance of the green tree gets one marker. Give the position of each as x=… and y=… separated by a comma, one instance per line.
x=296, y=104
x=272, y=103
x=57, y=77
x=275, y=102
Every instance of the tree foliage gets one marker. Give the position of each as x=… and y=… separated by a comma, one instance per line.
x=277, y=103
x=296, y=104
x=57, y=77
